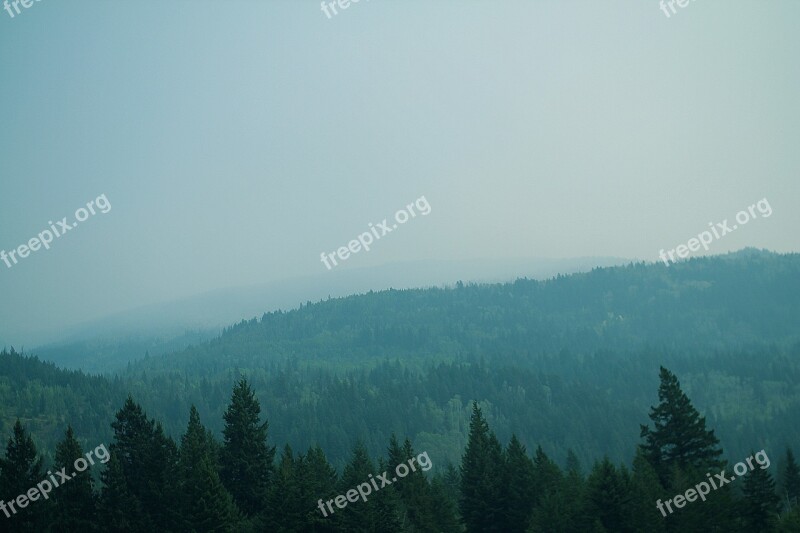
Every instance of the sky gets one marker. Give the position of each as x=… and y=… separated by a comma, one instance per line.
x=236, y=141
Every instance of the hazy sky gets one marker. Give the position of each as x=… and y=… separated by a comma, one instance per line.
x=237, y=140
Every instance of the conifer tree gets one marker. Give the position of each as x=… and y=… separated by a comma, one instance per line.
x=518, y=487
x=413, y=490
x=246, y=458
x=646, y=490
x=791, y=481
x=118, y=508
x=607, y=496
x=147, y=468
x=20, y=470
x=320, y=484
x=74, y=504
x=445, y=515
x=760, y=505
x=205, y=503
x=679, y=437
x=481, y=477
x=360, y=516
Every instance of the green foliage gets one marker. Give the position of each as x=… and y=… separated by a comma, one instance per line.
x=74, y=503
x=679, y=438
x=481, y=477
x=247, y=459
x=760, y=506
x=20, y=469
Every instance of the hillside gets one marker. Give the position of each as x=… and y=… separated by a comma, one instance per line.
x=583, y=348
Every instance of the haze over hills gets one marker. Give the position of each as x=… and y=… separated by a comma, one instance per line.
x=108, y=344
x=584, y=347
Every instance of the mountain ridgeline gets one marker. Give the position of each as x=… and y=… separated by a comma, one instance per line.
x=569, y=363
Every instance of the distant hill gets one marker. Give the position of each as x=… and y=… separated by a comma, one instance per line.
x=568, y=362
x=109, y=344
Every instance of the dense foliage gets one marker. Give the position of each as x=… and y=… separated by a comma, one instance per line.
x=569, y=364
x=151, y=483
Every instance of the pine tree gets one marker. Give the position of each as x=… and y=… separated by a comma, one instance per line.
x=74, y=503
x=413, y=490
x=646, y=490
x=360, y=516
x=546, y=474
x=246, y=458
x=607, y=496
x=286, y=494
x=518, y=487
x=205, y=503
x=679, y=437
x=20, y=470
x=481, y=477
x=446, y=516
x=760, y=505
x=319, y=484
x=791, y=481
x=118, y=508
x=147, y=470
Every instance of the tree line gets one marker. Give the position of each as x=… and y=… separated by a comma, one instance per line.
x=241, y=484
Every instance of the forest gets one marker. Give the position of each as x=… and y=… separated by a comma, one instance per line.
x=568, y=366
x=150, y=482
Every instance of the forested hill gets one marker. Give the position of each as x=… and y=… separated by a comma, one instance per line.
x=570, y=362
x=747, y=299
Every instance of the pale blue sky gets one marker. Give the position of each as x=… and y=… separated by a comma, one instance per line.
x=237, y=140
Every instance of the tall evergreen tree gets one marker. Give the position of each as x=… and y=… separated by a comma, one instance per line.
x=205, y=503
x=118, y=508
x=481, y=477
x=320, y=484
x=359, y=516
x=414, y=491
x=74, y=504
x=246, y=458
x=518, y=487
x=147, y=470
x=607, y=496
x=791, y=481
x=760, y=505
x=20, y=470
x=679, y=436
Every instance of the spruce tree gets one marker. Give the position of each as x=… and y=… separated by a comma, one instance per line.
x=646, y=490
x=361, y=516
x=760, y=505
x=791, y=482
x=246, y=458
x=20, y=470
x=286, y=494
x=319, y=484
x=413, y=489
x=518, y=487
x=118, y=508
x=75, y=507
x=481, y=477
x=205, y=503
x=607, y=496
x=147, y=470
x=446, y=515
x=679, y=437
